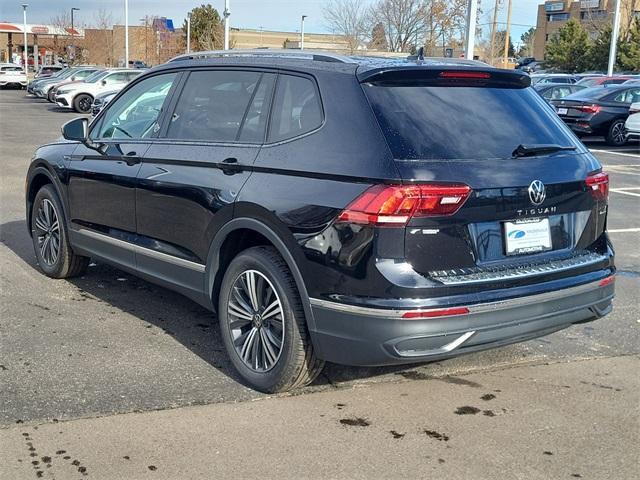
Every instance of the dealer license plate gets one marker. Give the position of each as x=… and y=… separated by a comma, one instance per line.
x=527, y=236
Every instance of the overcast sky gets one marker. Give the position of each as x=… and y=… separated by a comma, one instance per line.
x=268, y=14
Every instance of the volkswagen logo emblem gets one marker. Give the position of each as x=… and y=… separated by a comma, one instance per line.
x=537, y=192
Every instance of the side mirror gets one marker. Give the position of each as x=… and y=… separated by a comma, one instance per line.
x=103, y=82
x=76, y=129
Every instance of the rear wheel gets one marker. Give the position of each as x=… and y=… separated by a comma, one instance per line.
x=50, y=238
x=263, y=323
x=616, y=135
x=82, y=103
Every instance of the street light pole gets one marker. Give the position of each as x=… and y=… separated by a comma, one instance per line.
x=507, y=37
x=73, y=32
x=189, y=32
x=614, y=39
x=472, y=13
x=126, y=33
x=227, y=14
x=24, y=31
x=302, y=32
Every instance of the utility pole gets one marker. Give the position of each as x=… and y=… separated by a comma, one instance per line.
x=493, y=31
x=227, y=14
x=73, y=33
x=302, y=32
x=126, y=33
x=189, y=32
x=614, y=39
x=472, y=13
x=507, y=35
x=24, y=31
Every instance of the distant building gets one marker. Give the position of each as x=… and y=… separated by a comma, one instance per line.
x=554, y=14
x=49, y=41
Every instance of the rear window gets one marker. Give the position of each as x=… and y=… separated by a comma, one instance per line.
x=465, y=122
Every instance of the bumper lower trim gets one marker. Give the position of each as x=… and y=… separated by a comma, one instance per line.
x=476, y=308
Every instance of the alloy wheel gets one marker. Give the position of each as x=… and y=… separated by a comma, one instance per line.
x=256, y=321
x=48, y=232
x=84, y=104
x=617, y=133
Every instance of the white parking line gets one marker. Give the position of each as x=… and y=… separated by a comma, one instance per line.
x=619, y=190
x=623, y=230
x=616, y=153
x=628, y=188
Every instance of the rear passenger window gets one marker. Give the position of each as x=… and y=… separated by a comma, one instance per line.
x=296, y=108
x=212, y=105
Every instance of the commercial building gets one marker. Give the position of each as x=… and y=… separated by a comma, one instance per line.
x=49, y=41
x=592, y=14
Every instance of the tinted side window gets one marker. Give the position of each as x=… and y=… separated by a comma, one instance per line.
x=212, y=105
x=296, y=108
x=255, y=121
x=135, y=113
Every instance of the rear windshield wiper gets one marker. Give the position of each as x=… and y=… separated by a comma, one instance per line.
x=537, y=149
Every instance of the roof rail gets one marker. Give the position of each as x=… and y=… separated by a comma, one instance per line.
x=266, y=52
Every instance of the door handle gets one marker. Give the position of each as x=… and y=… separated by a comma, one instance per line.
x=230, y=166
x=132, y=158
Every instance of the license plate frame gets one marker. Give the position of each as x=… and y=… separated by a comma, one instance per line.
x=526, y=236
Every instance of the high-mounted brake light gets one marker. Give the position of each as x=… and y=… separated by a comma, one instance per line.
x=464, y=74
x=589, y=108
x=441, y=312
x=598, y=185
x=395, y=205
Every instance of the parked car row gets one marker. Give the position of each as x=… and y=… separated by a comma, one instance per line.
x=599, y=111
x=77, y=88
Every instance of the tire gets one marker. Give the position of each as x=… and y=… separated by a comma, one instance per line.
x=50, y=96
x=616, y=136
x=268, y=365
x=82, y=103
x=56, y=258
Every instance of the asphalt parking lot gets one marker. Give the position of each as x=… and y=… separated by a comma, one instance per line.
x=108, y=343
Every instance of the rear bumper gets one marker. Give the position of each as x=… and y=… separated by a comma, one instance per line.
x=365, y=336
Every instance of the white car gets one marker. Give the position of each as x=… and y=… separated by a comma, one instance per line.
x=79, y=96
x=12, y=76
x=632, y=125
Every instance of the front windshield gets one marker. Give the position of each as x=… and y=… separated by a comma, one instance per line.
x=95, y=76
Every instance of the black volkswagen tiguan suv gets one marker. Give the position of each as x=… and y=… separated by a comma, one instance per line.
x=358, y=211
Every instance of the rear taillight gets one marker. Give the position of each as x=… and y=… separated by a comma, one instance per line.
x=589, y=108
x=395, y=205
x=598, y=185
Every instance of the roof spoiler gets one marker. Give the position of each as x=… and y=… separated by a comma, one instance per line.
x=433, y=74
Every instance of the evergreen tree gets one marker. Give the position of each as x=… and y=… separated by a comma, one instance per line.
x=568, y=50
x=598, y=56
x=206, y=29
x=629, y=48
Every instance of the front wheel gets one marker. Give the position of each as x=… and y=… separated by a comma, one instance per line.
x=263, y=325
x=82, y=103
x=616, y=135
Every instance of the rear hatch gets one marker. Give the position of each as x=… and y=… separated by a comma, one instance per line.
x=535, y=197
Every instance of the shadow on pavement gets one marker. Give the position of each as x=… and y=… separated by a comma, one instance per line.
x=186, y=321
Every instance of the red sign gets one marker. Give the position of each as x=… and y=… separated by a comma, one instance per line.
x=39, y=29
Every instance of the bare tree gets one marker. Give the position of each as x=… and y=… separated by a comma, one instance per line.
x=347, y=18
x=99, y=39
x=62, y=43
x=404, y=22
